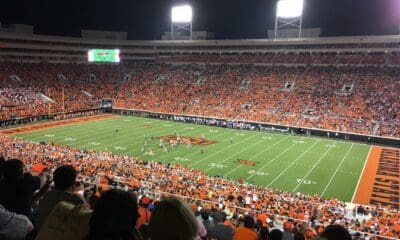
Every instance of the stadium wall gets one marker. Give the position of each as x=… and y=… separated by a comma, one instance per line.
x=45, y=117
x=232, y=123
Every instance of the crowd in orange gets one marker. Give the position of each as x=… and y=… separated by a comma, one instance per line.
x=317, y=99
x=270, y=207
x=350, y=99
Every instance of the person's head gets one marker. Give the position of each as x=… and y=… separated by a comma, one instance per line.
x=144, y=202
x=218, y=217
x=275, y=234
x=92, y=201
x=114, y=216
x=287, y=226
x=248, y=222
x=204, y=214
x=298, y=236
x=264, y=233
x=310, y=233
x=172, y=219
x=13, y=169
x=64, y=178
x=333, y=232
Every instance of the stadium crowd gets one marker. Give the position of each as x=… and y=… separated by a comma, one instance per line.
x=359, y=100
x=288, y=57
x=87, y=179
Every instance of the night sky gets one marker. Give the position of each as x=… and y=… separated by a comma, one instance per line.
x=228, y=19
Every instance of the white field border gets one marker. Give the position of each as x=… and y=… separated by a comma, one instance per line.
x=362, y=173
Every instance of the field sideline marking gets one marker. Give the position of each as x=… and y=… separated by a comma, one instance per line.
x=336, y=171
x=362, y=173
x=314, y=166
x=240, y=165
x=300, y=156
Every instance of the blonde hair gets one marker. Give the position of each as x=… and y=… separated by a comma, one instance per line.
x=172, y=219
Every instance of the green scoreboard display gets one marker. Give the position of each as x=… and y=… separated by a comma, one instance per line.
x=103, y=55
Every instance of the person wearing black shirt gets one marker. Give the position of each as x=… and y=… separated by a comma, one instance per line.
x=17, y=188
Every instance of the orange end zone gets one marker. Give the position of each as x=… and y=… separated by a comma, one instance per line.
x=380, y=180
x=52, y=124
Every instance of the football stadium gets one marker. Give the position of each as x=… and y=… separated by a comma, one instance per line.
x=293, y=135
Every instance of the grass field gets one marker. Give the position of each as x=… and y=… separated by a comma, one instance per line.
x=291, y=163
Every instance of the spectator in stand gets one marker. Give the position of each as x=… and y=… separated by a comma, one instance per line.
x=64, y=188
x=247, y=231
x=298, y=236
x=114, y=217
x=194, y=184
x=206, y=219
x=144, y=213
x=14, y=226
x=219, y=231
x=310, y=233
x=275, y=234
x=17, y=188
x=172, y=219
x=335, y=232
x=264, y=233
x=287, y=231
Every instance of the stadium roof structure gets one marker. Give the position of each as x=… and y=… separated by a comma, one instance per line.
x=65, y=49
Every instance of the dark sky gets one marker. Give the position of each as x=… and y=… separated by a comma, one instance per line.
x=148, y=19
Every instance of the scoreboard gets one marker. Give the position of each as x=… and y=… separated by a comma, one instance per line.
x=103, y=55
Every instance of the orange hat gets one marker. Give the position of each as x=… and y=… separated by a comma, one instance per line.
x=38, y=168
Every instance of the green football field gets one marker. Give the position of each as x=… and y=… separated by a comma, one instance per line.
x=287, y=162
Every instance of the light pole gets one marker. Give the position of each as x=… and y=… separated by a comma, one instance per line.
x=181, y=20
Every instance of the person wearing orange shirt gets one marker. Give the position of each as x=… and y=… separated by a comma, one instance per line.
x=144, y=214
x=246, y=232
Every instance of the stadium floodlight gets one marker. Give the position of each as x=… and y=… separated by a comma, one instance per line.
x=289, y=8
x=181, y=14
x=289, y=13
x=181, y=20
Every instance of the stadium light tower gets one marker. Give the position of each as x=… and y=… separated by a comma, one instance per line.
x=289, y=13
x=181, y=20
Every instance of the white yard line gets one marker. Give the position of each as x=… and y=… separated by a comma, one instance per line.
x=294, y=162
x=336, y=171
x=201, y=160
x=269, y=147
x=314, y=166
x=272, y=160
x=362, y=173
